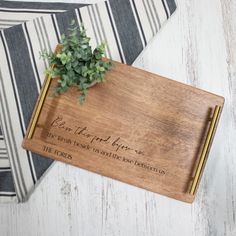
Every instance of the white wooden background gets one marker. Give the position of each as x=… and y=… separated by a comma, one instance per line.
x=198, y=47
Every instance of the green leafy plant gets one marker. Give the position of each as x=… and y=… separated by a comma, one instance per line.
x=76, y=63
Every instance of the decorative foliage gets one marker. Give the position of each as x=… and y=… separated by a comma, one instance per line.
x=76, y=64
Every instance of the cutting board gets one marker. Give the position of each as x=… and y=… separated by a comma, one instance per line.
x=137, y=127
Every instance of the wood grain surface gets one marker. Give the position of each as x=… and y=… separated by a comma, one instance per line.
x=137, y=127
x=197, y=47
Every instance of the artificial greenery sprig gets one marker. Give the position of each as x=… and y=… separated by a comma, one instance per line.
x=76, y=64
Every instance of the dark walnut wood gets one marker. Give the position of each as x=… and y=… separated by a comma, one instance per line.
x=137, y=127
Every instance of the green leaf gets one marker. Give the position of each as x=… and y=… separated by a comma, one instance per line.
x=81, y=99
x=75, y=63
x=63, y=83
x=72, y=22
x=68, y=66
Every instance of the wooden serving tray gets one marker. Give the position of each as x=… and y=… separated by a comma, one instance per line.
x=137, y=127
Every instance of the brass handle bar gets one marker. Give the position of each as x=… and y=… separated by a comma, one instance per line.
x=205, y=149
x=39, y=107
x=41, y=100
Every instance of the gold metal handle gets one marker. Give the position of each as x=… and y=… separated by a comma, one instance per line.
x=39, y=107
x=41, y=100
x=205, y=150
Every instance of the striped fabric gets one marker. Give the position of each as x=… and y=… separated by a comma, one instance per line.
x=27, y=28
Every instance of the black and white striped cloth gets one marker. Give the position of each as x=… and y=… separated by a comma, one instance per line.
x=29, y=27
